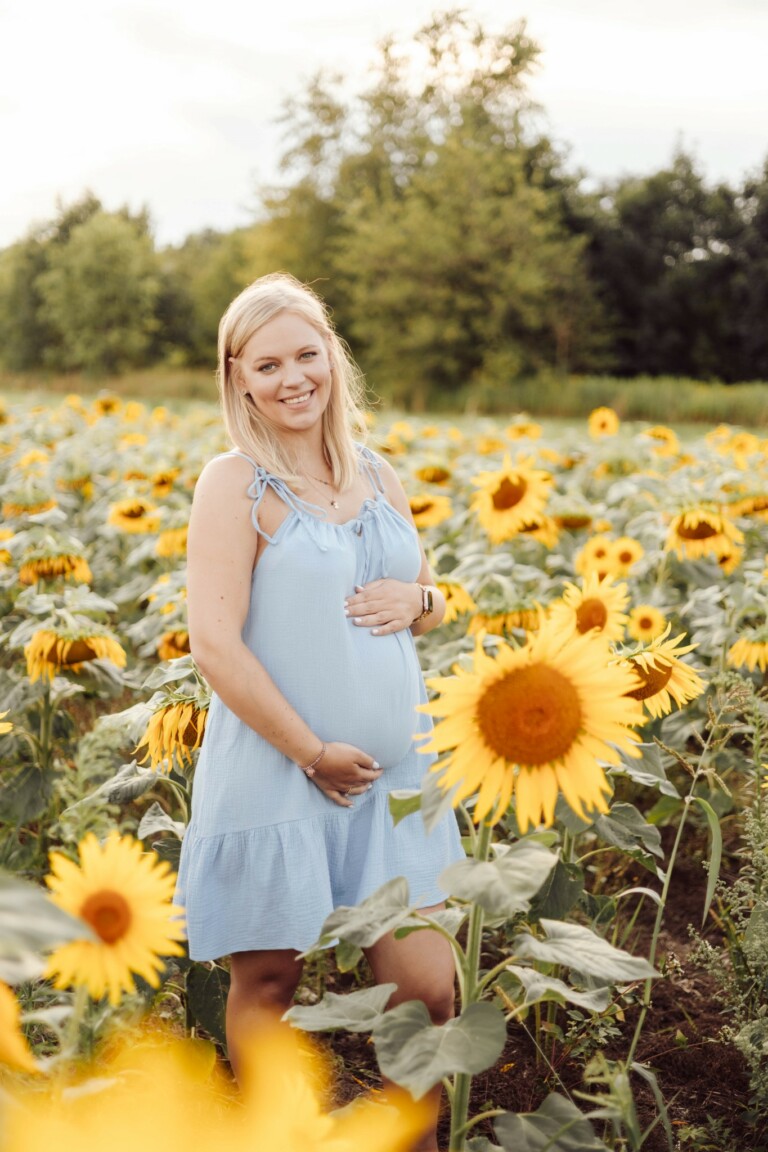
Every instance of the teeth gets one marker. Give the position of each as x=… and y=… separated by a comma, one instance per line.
x=298, y=399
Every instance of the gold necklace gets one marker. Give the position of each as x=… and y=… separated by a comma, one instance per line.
x=308, y=475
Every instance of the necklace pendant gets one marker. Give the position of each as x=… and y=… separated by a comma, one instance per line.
x=334, y=503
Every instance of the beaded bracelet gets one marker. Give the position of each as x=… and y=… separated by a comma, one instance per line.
x=310, y=769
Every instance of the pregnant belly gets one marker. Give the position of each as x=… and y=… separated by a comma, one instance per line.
x=368, y=698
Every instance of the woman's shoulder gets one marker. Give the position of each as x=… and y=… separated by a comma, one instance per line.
x=227, y=472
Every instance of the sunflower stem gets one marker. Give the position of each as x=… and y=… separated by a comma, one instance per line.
x=71, y=1043
x=471, y=987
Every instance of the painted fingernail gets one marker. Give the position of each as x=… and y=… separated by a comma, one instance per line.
x=359, y=588
x=358, y=620
x=346, y=610
x=374, y=631
x=376, y=765
x=369, y=787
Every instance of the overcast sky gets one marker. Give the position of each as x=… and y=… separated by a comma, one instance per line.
x=172, y=103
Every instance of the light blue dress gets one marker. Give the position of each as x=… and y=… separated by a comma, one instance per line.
x=267, y=856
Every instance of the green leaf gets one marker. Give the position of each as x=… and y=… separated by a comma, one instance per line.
x=560, y=892
x=417, y=1055
x=355, y=1012
x=169, y=848
x=403, y=803
x=503, y=886
x=557, y=1126
x=30, y=921
x=348, y=956
x=626, y=828
x=155, y=820
x=581, y=950
x=207, y=990
x=170, y=671
x=367, y=922
x=25, y=794
x=649, y=770
x=536, y=987
x=435, y=802
x=715, y=851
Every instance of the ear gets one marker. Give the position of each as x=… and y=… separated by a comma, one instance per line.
x=235, y=371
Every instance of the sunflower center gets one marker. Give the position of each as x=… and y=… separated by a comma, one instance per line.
x=420, y=506
x=508, y=494
x=700, y=531
x=591, y=614
x=108, y=913
x=645, y=622
x=531, y=716
x=626, y=557
x=653, y=680
x=134, y=512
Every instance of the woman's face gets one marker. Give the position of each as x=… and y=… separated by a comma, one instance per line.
x=285, y=369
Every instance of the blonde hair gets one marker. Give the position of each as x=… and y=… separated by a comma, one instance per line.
x=248, y=430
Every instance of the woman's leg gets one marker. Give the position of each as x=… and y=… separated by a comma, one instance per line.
x=261, y=990
x=422, y=966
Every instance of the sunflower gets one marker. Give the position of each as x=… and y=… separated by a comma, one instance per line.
x=574, y=520
x=750, y=650
x=107, y=404
x=174, y=731
x=523, y=430
x=134, y=516
x=598, y=556
x=542, y=528
x=489, y=445
x=27, y=505
x=646, y=623
x=457, y=599
x=509, y=499
x=171, y=645
x=48, y=651
x=172, y=542
x=664, y=677
x=602, y=422
x=5, y=534
x=596, y=608
x=163, y=481
x=429, y=510
x=702, y=530
x=525, y=619
x=14, y=1049
x=626, y=553
x=124, y=895
x=52, y=566
x=5, y=725
x=533, y=721
x=433, y=474
x=665, y=441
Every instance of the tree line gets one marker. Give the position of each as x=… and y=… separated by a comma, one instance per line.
x=458, y=250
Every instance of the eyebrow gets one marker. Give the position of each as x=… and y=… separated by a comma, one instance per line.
x=298, y=352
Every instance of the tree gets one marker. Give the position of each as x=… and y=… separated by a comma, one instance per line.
x=99, y=294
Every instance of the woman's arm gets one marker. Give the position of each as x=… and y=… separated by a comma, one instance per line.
x=221, y=552
x=388, y=605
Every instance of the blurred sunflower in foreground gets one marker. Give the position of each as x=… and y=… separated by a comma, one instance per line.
x=664, y=676
x=533, y=721
x=177, y=1084
x=14, y=1049
x=124, y=895
x=510, y=498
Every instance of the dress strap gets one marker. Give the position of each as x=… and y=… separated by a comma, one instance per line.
x=263, y=480
x=371, y=464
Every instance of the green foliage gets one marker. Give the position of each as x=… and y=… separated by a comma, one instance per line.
x=99, y=294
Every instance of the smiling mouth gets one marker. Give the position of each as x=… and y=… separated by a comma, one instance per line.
x=297, y=401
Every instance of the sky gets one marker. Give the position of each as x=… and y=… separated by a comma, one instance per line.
x=173, y=104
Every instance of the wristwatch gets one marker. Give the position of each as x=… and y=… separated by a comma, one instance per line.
x=427, y=604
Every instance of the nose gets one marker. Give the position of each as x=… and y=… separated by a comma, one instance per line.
x=294, y=375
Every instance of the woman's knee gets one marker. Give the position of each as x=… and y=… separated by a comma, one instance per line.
x=269, y=979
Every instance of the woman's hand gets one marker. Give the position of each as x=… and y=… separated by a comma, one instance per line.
x=344, y=771
x=384, y=606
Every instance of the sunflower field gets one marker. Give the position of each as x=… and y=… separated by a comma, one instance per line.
x=601, y=730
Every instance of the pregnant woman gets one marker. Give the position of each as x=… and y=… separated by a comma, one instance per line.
x=306, y=585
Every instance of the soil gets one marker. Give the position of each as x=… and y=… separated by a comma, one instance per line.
x=703, y=1079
